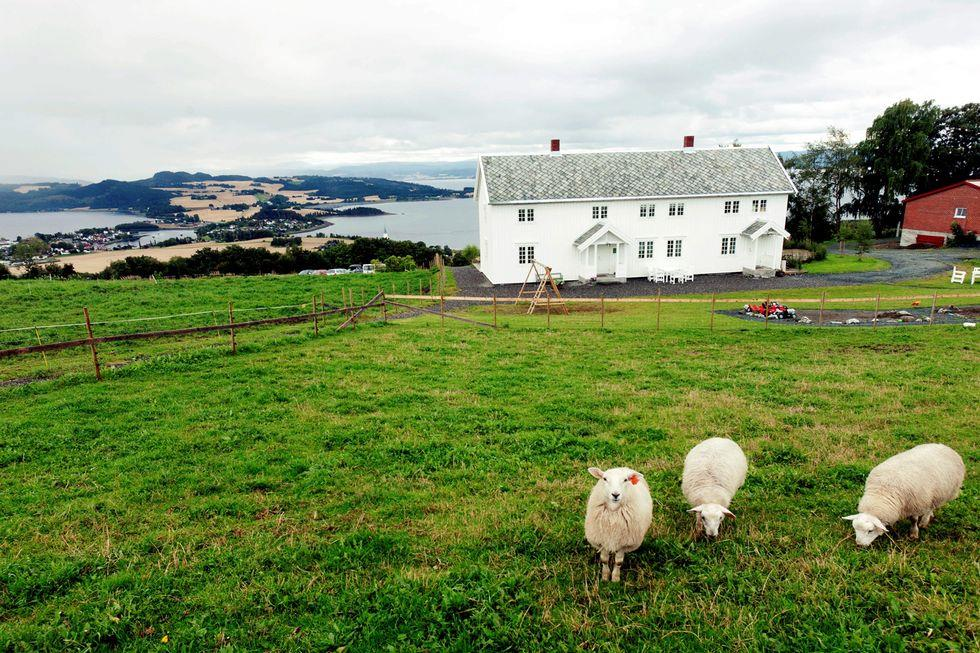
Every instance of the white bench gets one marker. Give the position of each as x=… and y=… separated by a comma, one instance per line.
x=975, y=275
x=958, y=276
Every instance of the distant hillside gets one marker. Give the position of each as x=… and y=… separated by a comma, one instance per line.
x=357, y=188
x=407, y=171
x=167, y=179
x=108, y=194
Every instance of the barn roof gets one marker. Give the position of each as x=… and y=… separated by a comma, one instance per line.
x=974, y=183
x=624, y=175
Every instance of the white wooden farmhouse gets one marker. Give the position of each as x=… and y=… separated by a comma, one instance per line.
x=614, y=215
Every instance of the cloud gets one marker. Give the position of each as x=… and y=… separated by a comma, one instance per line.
x=120, y=89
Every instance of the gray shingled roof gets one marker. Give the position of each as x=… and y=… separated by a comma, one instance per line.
x=675, y=173
x=591, y=231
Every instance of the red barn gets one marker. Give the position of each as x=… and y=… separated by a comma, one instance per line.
x=929, y=216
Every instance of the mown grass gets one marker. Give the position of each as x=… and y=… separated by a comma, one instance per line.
x=417, y=487
x=840, y=263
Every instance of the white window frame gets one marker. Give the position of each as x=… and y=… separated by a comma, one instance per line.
x=646, y=249
x=525, y=253
x=675, y=247
x=957, y=215
x=648, y=210
x=728, y=245
x=676, y=209
x=759, y=206
x=600, y=212
x=732, y=206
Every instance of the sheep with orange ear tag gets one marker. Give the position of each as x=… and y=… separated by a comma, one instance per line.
x=617, y=516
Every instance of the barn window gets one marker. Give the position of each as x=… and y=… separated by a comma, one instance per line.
x=525, y=254
x=727, y=245
x=674, y=248
x=960, y=212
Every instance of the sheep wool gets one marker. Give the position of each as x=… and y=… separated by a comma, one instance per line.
x=714, y=470
x=911, y=484
x=617, y=516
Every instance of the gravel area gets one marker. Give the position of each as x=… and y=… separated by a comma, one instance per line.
x=906, y=265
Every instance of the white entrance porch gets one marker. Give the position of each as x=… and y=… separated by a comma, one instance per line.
x=766, y=241
x=602, y=254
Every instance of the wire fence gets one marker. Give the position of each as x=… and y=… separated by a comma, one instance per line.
x=653, y=314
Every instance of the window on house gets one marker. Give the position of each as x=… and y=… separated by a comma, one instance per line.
x=727, y=245
x=600, y=212
x=525, y=254
x=674, y=248
x=645, y=249
x=731, y=206
x=525, y=215
x=647, y=210
x=960, y=212
x=676, y=208
x=759, y=206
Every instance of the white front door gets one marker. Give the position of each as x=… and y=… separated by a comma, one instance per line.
x=767, y=251
x=606, y=259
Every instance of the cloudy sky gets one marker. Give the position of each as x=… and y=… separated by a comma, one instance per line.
x=120, y=89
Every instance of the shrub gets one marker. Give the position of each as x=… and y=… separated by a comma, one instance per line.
x=466, y=255
x=961, y=238
x=286, y=241
x=4, y=272
x=819, y=252
x=399, y=263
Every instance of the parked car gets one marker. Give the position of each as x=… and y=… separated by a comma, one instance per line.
x=315, y=272
x=356, y=269
x=334, y=271
x=367, y=268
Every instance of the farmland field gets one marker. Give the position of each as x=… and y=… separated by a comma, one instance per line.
x=419, y=486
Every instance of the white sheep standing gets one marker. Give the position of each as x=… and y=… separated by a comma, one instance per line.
x=714, y=470
x=912, y=484
x=618, y=515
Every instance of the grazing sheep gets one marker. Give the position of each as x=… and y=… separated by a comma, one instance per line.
x=714, y=470
x=913, y=484
x=618, y=515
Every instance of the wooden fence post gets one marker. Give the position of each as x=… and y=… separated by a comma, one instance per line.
x=602, y=311
x=712, y=324
x=231, y=327
x=823, y=298
x=765, y=311
x=494, y=309
x=38, y=335
x=874, y=325
x=362, y=295
x=549, y=309
x=316, y=319
x=384, y=309
x=91, y=342
x=658, y=309
x=932, y=311
x=442, y=308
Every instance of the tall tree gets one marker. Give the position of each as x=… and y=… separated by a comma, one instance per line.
x=895, y=159
x=955, y=146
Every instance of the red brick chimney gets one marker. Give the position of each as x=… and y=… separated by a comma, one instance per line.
x=555, y=145
x=688, y=141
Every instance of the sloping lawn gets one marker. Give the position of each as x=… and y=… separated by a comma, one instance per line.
x=840, y=263
x=419, y=487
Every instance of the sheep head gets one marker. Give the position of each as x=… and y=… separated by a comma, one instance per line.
x=618, y=482
x=867, y=527
x=711, y=516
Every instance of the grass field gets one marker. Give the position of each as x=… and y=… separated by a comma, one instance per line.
x=839, y=263
x=413, y=486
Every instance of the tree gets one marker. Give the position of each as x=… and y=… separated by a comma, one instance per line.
x=895, y=161
x=955, y=147
x=29, y=248
x=860, y=232
x=466, y=255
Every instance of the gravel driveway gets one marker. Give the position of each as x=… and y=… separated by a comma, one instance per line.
x=906, y=265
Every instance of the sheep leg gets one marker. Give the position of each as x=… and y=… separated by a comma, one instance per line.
x=698, y=525
x=604, y=557
x=619, y=563
x=925, y=519
x=914, y=533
